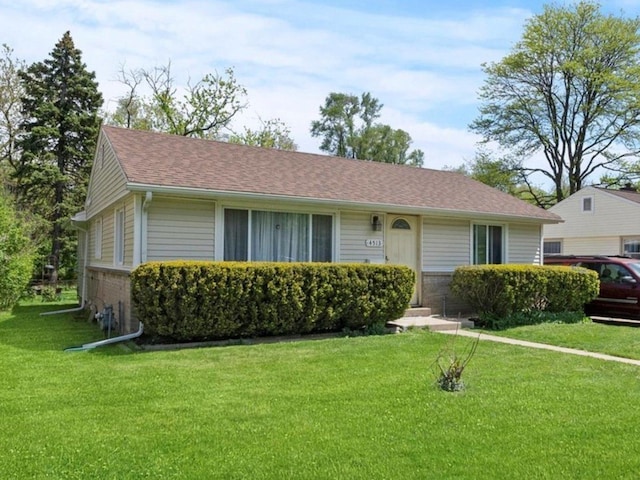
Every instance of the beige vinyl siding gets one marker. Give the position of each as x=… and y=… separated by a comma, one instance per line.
x=445, y=244
x=599, y=232
x=355, y=229
x=611, y=216
x=592, y=246
x=107, y=183
x=92, y=240
x=180, y=229
x=129, y=219
x=524, y=243
x=107, y=239
x=83, y=252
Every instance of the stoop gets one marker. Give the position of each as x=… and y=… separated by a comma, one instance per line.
x=433, y=323
x=417, y=312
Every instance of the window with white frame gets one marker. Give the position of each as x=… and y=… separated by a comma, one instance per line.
x=587, y=204
x=488, y=244
x=631, y=247
x=258, y=235
x=97, y=238
x=118, y=250
x=552, y=247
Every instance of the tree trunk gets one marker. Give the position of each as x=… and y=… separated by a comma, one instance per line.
x=56, y=232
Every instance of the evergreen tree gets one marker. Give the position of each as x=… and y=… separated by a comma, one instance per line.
x=60, y=105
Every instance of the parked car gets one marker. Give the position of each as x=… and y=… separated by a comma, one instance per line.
x=619, y=282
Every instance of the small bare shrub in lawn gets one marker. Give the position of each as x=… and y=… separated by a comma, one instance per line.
x=449, y=365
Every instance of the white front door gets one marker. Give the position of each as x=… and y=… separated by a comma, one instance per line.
x=402, y=245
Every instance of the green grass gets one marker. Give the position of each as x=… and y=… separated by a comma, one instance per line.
x=343, y=408
x=595, y=337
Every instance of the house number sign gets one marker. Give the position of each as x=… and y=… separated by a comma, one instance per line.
x=373, y=242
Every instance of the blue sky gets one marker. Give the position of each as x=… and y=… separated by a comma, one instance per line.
x=421, y=59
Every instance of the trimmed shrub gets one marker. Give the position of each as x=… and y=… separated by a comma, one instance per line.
x=214, y=300
x=501, y=291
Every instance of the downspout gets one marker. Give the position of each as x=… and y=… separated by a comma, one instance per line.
x=83, y=295
x=147, y=200
x=108, y=341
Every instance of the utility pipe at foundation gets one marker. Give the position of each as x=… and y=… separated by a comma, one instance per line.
x=107, y=341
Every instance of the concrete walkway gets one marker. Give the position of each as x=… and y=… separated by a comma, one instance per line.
x=543, y=346
x=460, y=327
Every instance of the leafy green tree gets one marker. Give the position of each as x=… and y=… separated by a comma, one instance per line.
x=132, y=110
x=381, y=143
x=16, y=254
x=61, y=103
x=11, y=92
x=338, y=124
x=499, y=173
x=205, y=110
x=348, y=129
x=273, y=134
x=504, y=174
x=568, y=92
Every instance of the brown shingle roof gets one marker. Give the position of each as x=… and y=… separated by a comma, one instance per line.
x=157, y=159
x=626, y=194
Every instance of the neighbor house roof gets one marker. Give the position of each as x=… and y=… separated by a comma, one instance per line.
x=150, y=159
x=630, y=195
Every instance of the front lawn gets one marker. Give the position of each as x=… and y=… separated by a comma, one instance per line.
x=594, y=337
x=343, y=408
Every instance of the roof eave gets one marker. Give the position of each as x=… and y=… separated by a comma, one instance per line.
x=417, y=210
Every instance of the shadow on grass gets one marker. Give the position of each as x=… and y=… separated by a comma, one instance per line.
x=26, y=329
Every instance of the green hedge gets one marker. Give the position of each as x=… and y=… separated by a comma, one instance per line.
x=215, y=300
x=501, y=291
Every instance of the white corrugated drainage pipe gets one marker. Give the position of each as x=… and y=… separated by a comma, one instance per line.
x=107, y=341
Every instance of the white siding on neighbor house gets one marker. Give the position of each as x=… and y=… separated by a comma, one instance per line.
x=180, y=229
x=445, y=244
x=592, y=246
x=524, y=243
x=107, y=183
x=611, y=216
x=355, y=230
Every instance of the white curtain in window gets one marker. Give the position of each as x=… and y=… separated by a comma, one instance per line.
x=279, y=237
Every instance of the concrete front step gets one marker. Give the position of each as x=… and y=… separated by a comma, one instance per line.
x=433, y=323
x=418, y=312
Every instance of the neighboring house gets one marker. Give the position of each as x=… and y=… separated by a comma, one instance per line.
x=154, y=196
x=597, y=221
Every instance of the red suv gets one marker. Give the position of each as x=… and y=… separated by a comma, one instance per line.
x=619, y=283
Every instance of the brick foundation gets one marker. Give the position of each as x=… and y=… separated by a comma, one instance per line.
x=437, y=295
x=112, y=287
